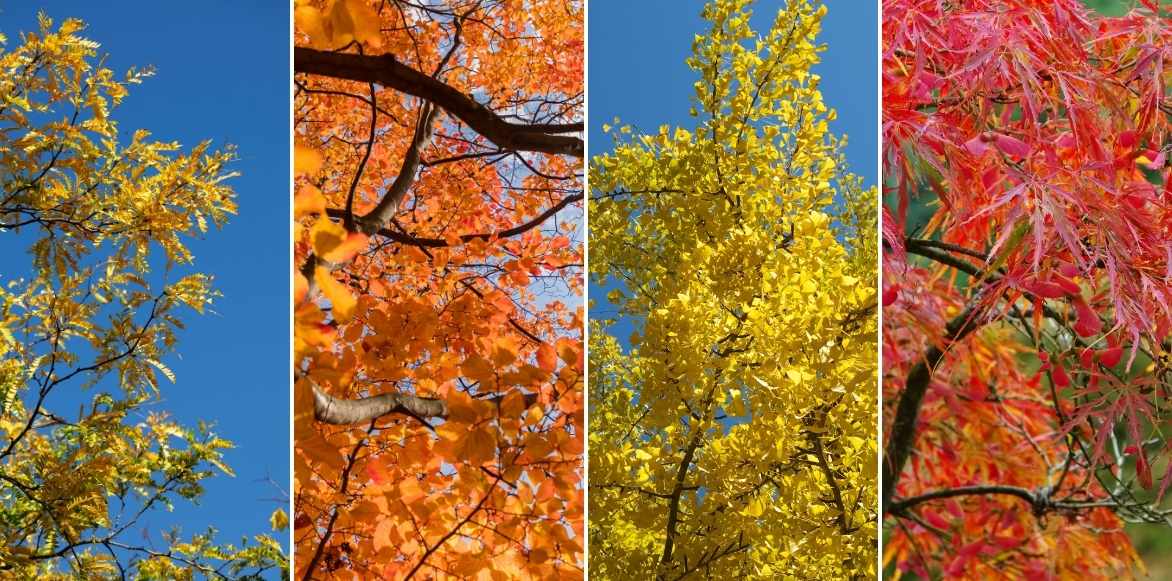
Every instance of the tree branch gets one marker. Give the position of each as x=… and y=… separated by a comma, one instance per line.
x=387, y=71
x=1040, y=500
x=340, y=411
x=404, y=238
x=388, y=205
x=907, y=410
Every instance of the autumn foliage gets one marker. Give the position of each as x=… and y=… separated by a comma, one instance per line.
x=97, y=280
x=438, y=352
x=732, y=434
x=1027, y=303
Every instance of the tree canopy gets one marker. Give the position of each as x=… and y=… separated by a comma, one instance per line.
x=732, y=434
x=1027, y=263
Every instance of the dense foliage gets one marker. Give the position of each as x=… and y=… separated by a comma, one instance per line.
x=438, y=351
x=1028, y=253
x=97, y=307
x=732, y=435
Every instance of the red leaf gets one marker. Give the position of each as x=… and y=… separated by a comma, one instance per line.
x=1088, y=323
x=890, y=295
x=1061, y=379
x=1143, y=470
x=1011, y=145
x=1110, y=356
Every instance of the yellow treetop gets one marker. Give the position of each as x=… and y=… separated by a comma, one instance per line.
x=733, y=433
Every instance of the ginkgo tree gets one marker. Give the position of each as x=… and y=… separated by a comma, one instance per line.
x=97, y=306
x=732, y=435
x=1027, y=300
x=438, y=353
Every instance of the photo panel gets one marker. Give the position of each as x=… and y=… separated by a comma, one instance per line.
x=1027, y=261
x=438, y=235
x=144, y=424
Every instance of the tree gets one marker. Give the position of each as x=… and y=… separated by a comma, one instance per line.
x=438, y=355
x=733, y=433
x=98, y=308
x=1027, y=270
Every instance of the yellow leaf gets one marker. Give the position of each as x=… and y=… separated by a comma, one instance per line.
x=309, y=20
x=306, y=160
x=279, y=520
x=338, y=294
x=366, y=24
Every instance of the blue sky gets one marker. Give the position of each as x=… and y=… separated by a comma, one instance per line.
x=222, y=72
x=637, y=72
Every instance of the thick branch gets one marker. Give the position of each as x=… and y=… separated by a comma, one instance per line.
x=677, y=491
x=844, y=523
x=405, y=238
x=389, y=72
x=1039, y=501
x=332, y=410
x=389, y=204
x=335, y=410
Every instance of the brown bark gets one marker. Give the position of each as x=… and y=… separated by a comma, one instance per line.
x=332, y=410
x=335, y=410
x=387, y=71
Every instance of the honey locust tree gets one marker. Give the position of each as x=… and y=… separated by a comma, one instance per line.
x=1028, y=235
x=732, y=435
x=95, y=311
x=438, y=325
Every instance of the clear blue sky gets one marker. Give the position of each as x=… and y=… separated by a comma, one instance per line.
x=222, y=73
x=637, y=72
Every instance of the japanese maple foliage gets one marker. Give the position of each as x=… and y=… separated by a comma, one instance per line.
x=1027, y=315
x=438, y=330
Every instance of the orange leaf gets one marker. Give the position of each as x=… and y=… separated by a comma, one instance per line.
x=570, y=351
x=479, y=446
x=477, y=368
x=547, y=358
x=338, y=294
x=308, y=201
x=513, y=405
x=347, y=249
